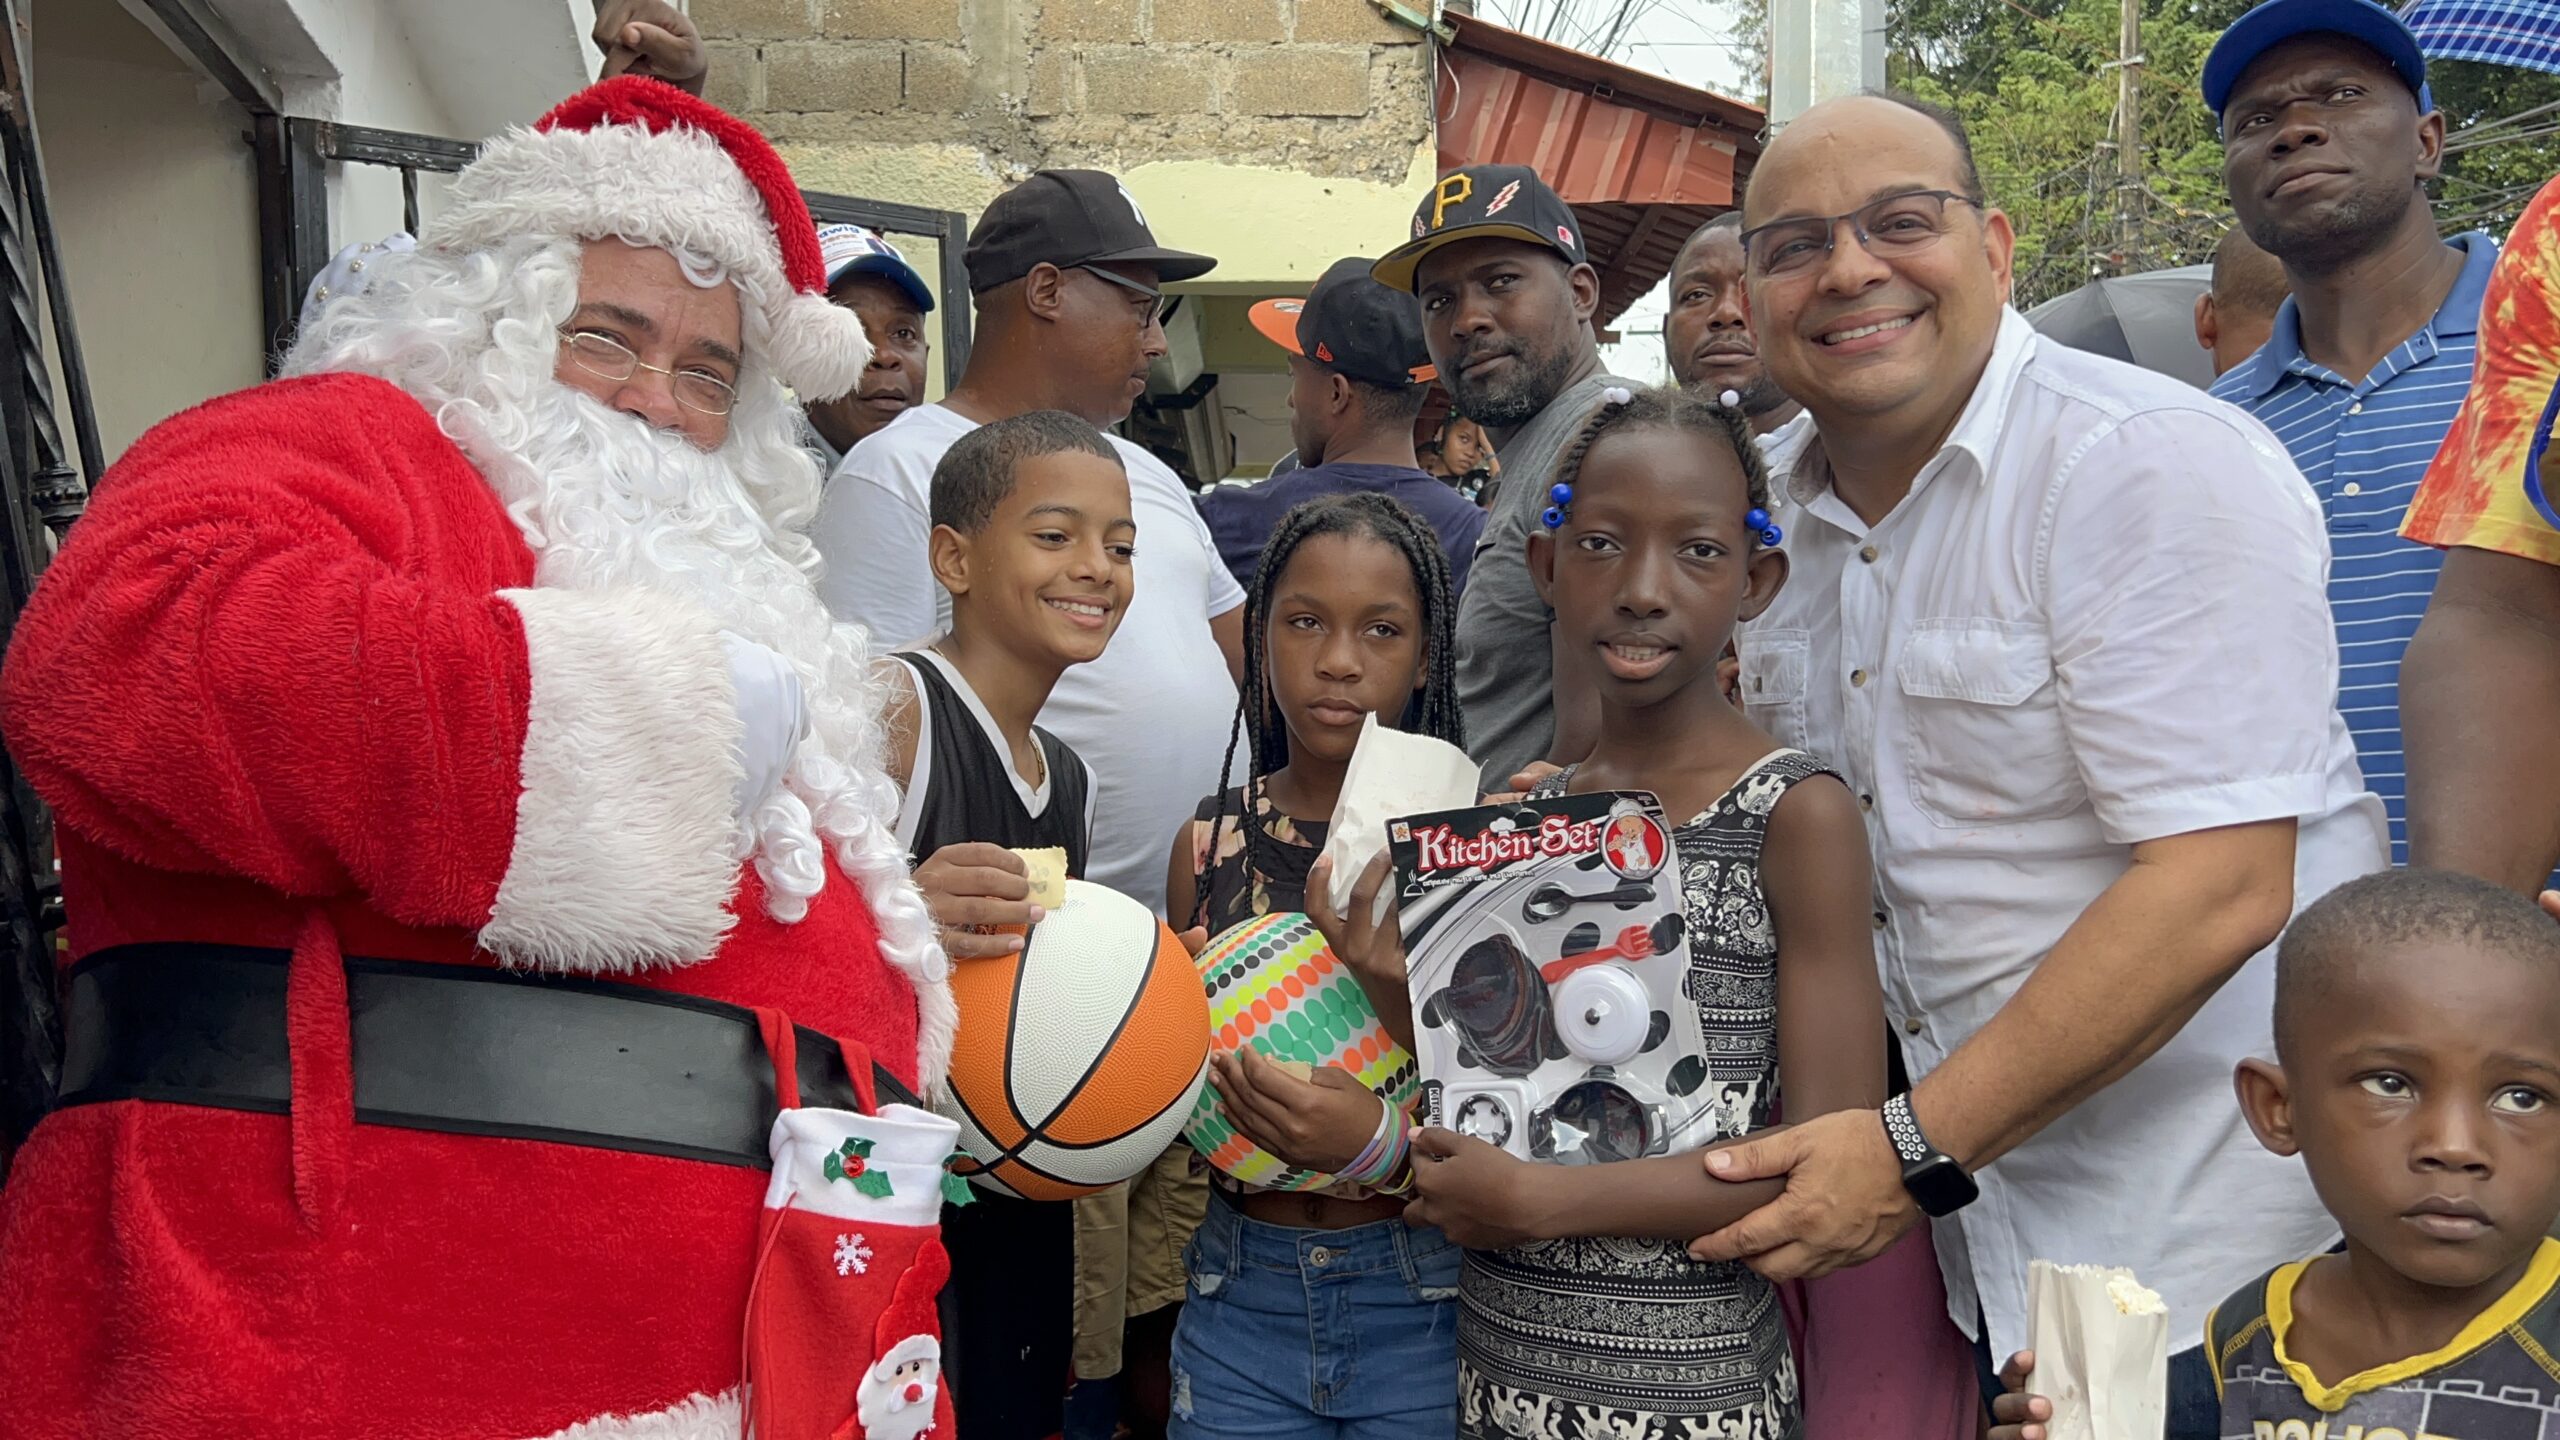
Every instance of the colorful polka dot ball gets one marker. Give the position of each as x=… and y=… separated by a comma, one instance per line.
x=1275, y=988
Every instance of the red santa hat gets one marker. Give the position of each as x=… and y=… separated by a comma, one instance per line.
x=640, y=160
x=910, y=1327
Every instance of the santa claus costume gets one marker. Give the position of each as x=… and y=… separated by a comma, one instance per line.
x=428, y=939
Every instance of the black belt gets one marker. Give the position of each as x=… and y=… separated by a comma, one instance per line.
x=457, y=1049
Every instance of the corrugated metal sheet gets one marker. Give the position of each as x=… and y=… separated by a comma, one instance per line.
x=1643, y=160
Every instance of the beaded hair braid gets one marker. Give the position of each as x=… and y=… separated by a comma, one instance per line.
x=1672, y=408
x=1433, y=710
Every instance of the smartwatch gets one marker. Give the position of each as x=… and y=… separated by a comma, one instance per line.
x=1936, y=1182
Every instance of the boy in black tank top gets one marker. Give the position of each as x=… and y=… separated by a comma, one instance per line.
x=1032, y=536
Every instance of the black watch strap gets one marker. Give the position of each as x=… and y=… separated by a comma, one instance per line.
x=1937, y=1183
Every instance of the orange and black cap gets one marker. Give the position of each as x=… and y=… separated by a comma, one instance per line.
x=1351, y=324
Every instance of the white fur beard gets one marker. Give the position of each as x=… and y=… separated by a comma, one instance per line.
x=604, y=500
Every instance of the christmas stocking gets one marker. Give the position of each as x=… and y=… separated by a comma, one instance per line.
x=849, y=1250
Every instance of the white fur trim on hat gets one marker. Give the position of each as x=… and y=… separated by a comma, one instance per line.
x=914, y=1347
x=677, y=189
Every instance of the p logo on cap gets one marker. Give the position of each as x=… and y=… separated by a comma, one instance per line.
x=1453, y=190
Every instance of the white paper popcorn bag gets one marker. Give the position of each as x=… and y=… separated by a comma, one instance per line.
x=2101, y=1342
x=1391, y=774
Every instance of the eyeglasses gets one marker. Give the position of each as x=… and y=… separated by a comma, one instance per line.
x=606, y=358
x=1890, y=228
x=1155, y=297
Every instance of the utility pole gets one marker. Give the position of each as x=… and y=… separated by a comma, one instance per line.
x=1820, y=50
x=2129, y=188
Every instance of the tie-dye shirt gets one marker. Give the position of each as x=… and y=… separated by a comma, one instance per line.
x=2474, y=492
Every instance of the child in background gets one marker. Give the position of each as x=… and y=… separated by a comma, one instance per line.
x=1582, y=1314
x=2417, y=1074
x=1032, y=534
x=1322, y=1314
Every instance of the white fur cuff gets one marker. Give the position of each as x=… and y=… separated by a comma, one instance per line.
x=624, y=829
x=702, y=1417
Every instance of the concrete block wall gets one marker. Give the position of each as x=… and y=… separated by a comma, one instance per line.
x=1323, y=87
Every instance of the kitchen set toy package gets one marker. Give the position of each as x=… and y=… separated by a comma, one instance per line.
x=1546, y=961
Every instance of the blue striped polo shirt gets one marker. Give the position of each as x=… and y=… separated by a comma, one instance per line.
x=2364, y=447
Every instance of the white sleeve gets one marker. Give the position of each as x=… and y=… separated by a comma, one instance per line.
x=2186, y=576
x=873, y=532
x=1224, y=594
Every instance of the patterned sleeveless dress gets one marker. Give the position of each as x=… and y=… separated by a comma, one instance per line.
x=1622, y=1339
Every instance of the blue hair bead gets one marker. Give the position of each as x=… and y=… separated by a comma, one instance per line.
x=1758, y=519
x=1562, y=494
x=1554, y=518
x=1771, y=535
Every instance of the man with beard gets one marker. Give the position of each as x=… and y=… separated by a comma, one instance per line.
x=1507, y=298
x=1708, y=333
x=867, y=275
x=473, y=832
x=2328, y=140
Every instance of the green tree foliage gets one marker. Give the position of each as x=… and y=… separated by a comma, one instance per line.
x=2036, y=83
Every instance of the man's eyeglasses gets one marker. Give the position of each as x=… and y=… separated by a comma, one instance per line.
x=1155, y=298
x=606, y=358
x=1890, y=228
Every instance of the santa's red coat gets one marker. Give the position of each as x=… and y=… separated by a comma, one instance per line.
x=287, y=686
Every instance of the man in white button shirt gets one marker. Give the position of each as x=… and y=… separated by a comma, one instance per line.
x=2061, y=623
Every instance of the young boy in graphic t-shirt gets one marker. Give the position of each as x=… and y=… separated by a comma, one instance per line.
x=2417, y=1074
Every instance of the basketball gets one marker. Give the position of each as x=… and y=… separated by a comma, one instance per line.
x=1275, y=987
x=1078, y=1058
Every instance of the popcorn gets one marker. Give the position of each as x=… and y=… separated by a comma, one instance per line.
x=2101, y=1340
x=2132, y=1297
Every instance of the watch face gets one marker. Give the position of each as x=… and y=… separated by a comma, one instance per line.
x=1940, y=1187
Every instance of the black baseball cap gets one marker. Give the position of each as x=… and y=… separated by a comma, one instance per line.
x=1064, y=218
x=1508, y=202
x=1351, y=324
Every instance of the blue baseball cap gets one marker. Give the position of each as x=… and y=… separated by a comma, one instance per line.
x=854, y=250
x=2277, y=21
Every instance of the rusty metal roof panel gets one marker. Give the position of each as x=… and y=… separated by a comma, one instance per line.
x=1588, y=148
x=1598, y=131
x=1642, y=159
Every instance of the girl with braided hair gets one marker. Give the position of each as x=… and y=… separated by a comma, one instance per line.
x=1349, y=1333
x=1582, y=1314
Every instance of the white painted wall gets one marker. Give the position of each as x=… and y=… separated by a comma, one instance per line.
x=155, y=204
x=154, y=183
x=463, y=69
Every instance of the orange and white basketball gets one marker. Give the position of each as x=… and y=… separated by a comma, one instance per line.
x=1078, y=1059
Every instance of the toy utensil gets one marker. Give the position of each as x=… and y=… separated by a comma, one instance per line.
x=1551, y=900
x=1634, y=943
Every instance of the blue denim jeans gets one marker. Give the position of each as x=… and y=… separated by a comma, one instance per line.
x=1293, y=1334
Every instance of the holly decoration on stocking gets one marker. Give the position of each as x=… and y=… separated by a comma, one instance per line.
x=852, y=1162
x=956, y=1190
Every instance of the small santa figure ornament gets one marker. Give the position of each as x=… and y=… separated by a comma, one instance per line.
x=900, y=1397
